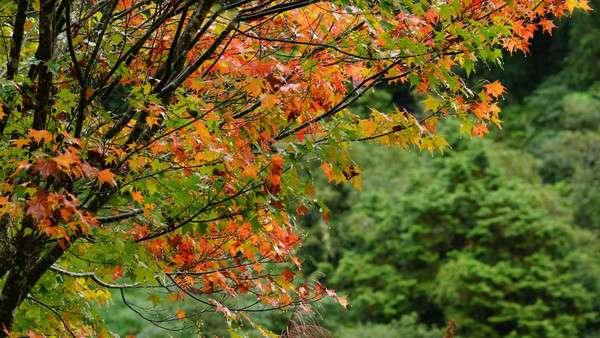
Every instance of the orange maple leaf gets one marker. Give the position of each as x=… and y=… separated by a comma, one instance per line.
x=180, y=314
x=107, y=176
x=495, y=89
x=137, y=196
x=66, y=159
x=275, y=169
x=20, y=143
x=328, y=170
x=343, y=302
x=479, y=130
x=39, y=135
x=269, y=100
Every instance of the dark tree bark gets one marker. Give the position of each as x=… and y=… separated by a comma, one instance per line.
x=44, y=54
x=15, y=51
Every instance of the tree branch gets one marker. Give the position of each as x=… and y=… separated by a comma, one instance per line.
x=16, y=43
x=177, y=81
x=78, y=70
x=277, y=9
x=116, y=218
x=54, y=311
x=92, y=276
x=44, y=54
x=17, y=39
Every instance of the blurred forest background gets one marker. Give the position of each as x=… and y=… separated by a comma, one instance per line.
x=501, y=233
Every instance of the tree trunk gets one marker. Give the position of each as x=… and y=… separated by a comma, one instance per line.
x=14, y=291
x=27, y=267
x=44, y=54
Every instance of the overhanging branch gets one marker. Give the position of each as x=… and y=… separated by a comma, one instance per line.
x=92, y=276
x=116, y=218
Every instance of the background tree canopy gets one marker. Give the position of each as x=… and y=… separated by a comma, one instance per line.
x=500, y=234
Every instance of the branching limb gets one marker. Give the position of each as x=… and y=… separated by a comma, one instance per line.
x=177, y=81
x=92, y=276
x=78, y=70
x=15, y=52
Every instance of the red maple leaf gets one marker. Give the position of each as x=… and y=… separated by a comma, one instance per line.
x=38, y=206
x=45, y=167
x=287, y=275
x=275, y=169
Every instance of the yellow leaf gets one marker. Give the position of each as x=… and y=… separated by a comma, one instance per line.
x=572, y=4
x=269, y=100
x=255, y=86
x=583, y=4
x=431, y=104
x=202, y=131
x=151, y=120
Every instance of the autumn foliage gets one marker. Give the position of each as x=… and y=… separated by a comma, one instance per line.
x=167, y=144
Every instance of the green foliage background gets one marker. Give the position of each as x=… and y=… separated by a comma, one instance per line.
x=501, y=234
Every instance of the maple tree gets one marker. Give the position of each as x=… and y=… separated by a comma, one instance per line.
x=166, y=144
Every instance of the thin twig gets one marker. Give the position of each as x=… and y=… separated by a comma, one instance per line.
x=55, y=312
